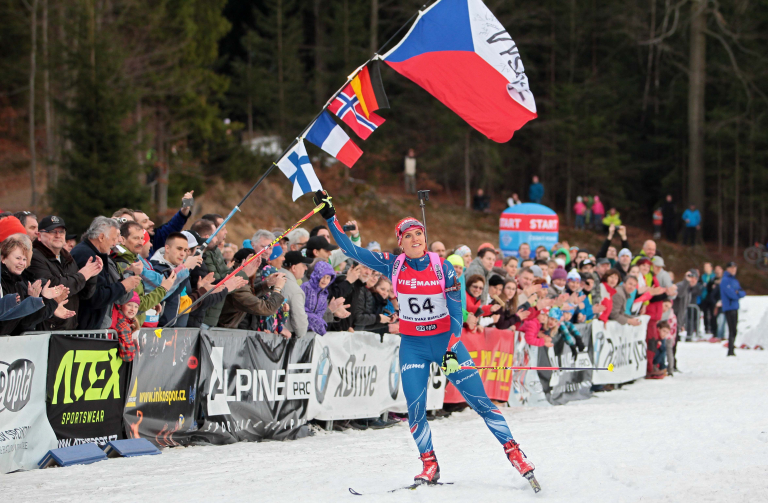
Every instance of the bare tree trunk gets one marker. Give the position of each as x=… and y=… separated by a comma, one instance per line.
x=752, y=182
x=374, y=26
x=719, y=201
x=569, y=182
x=32, y=71
x=250, y=96
x=652, y=34
x=319, y=63
x=50, y=147
x=346, y=34
x=280, y=76
x=736, y=193
x=467, y=180
x=696, y=88
x=139, y=132
x=162, y=171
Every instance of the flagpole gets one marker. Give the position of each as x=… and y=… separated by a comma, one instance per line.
x=301, y=135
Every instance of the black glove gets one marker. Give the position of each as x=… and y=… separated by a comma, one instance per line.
x=574, y=352
x=579, y=343
x=328, y=210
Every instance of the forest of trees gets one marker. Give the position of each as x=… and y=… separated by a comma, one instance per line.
x=636, y=100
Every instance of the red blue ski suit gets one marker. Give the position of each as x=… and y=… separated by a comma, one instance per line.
x=428, y=318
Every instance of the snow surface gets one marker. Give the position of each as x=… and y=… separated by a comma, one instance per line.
x=701, y=436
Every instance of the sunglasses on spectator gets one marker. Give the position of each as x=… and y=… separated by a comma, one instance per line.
x=56, y=232
x=478, y=287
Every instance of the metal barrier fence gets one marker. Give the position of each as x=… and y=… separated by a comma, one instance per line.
x=105, y=334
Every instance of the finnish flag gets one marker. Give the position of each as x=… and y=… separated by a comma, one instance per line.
x=298, y=168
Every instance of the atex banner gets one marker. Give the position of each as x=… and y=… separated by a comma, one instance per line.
x=162, y=389
x=25, y=434
x=252, y=386
x=86, y=381
x=489, y=347
x=622, y=345
x=357, y=375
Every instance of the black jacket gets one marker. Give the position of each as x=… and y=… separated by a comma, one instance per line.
x=14, y=283
x=108, y=290
x=65, y=272
x=364, y=310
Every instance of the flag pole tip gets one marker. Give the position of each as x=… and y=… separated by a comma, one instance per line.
x=610, y=367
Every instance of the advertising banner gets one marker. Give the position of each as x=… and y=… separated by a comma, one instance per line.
x=488, y=348
x=565, y=386
x=527, y=389
x=622, y=345
x=252, y=386
x=86, y=384
x=25, y=434
x=162, y=388
x=357, y=375
x=530, y=223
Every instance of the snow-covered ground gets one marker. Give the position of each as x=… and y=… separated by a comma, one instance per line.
x=699, y=436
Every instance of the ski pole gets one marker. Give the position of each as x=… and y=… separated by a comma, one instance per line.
x=158, y=332
x=609, y=368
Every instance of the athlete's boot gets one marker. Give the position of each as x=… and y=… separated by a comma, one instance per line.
x=431, y=472
x=521, y=463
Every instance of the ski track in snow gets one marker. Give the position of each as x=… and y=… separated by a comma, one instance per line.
x=700, y=436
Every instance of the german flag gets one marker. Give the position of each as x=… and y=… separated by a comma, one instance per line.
x=369, y=89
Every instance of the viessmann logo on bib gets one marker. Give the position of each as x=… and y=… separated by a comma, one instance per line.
x=413, y=283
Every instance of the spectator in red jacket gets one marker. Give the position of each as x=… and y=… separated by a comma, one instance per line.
x=532, y=328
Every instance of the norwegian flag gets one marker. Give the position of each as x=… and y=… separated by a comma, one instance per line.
x=347, y=107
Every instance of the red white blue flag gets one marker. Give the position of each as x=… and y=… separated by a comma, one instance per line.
x=329, y=136
x=461, y=54
x=347, y=107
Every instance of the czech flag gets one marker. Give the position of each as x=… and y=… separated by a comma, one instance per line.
x=347, y=107
x=459, y=52
x=329, y=136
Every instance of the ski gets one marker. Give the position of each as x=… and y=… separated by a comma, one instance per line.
x=532, y=480
x=409, y=487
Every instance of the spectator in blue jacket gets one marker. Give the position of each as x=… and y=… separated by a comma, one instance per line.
x=692, y=219
x=536, y=191
x=730, y=293
x=175, y=224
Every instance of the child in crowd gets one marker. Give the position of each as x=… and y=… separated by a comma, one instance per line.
x=535, y=333
x=125, y=323
x=274, y=323
x=382, y=297
x=659, y=360
x=316, y=292
x=668, y=315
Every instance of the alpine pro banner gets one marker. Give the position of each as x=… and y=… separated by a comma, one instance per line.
x=252, y=386
x=162, y=389
x=86, y=383
x=622, y=345
x=25, y=434
x=357, y=375
x=488, y=348
x=565, y=386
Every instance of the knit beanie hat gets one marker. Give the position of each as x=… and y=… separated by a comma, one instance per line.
x=455, y=260
x=574, y=275
x=10, y=225
x=559, y=273
x=134, y=298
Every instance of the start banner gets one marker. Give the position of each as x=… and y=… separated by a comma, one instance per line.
x=622, y=345
x=489, y=347
x=162, y=389
x=357, y=375
x=86, y=383
x=25, y=434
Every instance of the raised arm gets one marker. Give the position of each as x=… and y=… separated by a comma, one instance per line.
x=381, y=262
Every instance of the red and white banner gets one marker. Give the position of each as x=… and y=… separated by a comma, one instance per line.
x=538, y=223
x=488, y=348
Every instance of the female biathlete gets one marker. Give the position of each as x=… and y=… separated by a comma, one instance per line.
x=430, y=316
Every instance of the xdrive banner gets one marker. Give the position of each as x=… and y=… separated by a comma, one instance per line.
x=565, y=386
x=252, y=386
x=86, y=380
x=25, y=434
x=488, y=348
x=357, y=375
x=162, y=389
x=622, y=345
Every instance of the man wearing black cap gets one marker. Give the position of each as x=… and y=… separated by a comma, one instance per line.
x=50, y=261
x=294, y=266
x=319, y=247
x=730, y=293
x=687, y=292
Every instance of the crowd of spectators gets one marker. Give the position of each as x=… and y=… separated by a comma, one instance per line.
x=124, y=274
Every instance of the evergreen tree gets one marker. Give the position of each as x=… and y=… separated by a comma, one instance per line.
x=101, y=173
